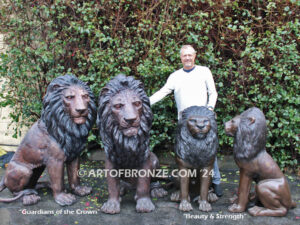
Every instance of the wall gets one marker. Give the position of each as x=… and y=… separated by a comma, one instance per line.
x=7, y=142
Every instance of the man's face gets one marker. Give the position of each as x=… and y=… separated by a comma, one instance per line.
x=187, y=57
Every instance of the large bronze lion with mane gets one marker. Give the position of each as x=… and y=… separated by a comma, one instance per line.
x=272, y=190
x=68, y=114
x=196, y=148
x=124, y=120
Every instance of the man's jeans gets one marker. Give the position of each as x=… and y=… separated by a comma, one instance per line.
x=217, y=177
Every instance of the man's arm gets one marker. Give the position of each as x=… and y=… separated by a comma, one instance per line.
x=211, y=90
x=164, y=91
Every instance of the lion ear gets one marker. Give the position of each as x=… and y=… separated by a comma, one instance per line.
x=104, y=91
x=251, y=119
x=141, y=85
x=55, y=87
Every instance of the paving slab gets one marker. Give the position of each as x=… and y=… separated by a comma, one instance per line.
x=86, y=210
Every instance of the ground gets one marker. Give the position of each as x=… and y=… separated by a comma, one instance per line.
x=86, y=209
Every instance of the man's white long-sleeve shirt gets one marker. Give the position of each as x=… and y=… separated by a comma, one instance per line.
x=196, y=87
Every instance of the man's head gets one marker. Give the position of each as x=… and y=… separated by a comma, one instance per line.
x=187, y=56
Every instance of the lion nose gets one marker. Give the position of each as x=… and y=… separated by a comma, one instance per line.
x=130, y=120
x=225, y=125
x=130, y=115
x=80, y=111
x=200, y=126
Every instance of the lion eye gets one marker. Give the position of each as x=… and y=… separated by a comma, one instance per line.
x=193, y=121
x=137, y=103
x=118, y=106
x=85, y=96
x=69, y=97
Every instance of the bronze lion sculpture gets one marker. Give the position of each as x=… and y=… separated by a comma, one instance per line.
x=272, y=190
x=58, y=138
x=124, y=120
x=196, y=148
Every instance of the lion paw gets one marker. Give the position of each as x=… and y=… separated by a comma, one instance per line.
x=144, y=205
x=235, y=208
x=65, y=199
x=175, y=196
x=82, y=190
x=185, y=206
x=254, y=211
x=31, y=199
x=204, y=206
x=158, y=193
x=111, y=207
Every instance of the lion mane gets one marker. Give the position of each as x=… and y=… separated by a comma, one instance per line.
x=198, y=151
x=123, y=151
x=250, y=138
x=71, y=137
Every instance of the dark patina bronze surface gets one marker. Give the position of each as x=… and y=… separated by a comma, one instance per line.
x=56, y=139
x=272, y=190
x=124, y=120
x=196, y=148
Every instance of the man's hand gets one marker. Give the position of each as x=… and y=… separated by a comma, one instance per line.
x=210, y=108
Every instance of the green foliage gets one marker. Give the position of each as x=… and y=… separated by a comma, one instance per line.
x=252, y=48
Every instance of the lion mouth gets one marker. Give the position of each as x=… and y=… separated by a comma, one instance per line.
x=130, y=131
x=196, y=131
x=203, y=130
x=79, y=119
x=200, y=135
x=229, y=133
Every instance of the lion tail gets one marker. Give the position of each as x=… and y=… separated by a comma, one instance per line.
x=2, y=185
x=19, y=195
x=6, y=200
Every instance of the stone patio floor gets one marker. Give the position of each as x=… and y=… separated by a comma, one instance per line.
x=86, y=210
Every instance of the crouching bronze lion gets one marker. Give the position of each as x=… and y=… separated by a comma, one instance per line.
x=272, y=190
x=196, y=147
x=59, y=137
x=124, y=120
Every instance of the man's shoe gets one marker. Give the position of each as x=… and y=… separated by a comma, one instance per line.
x=217, y=189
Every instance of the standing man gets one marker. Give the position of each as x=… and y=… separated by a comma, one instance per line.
x=193, y=85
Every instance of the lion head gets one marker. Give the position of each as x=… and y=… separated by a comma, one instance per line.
x=124, y=120
x=69, y=112
x=196, y=137
x=127, y=110
x=249, y=130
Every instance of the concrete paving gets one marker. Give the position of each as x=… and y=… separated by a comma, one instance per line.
x=86, y=209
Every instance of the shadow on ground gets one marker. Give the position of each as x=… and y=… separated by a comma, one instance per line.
x=86, y=209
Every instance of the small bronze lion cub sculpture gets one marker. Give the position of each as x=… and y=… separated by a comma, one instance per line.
x=58, y=138
x=124, y=121
x=249, y=130
x=196, y=148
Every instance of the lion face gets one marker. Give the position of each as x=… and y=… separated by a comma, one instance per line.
x=69, y=112
x=76, y=101
x=232, y=125
x=198, y=126
x=197, y=136
x=249, y=130
x=126, y=107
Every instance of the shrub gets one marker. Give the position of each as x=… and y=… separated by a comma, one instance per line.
x=250, y=46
